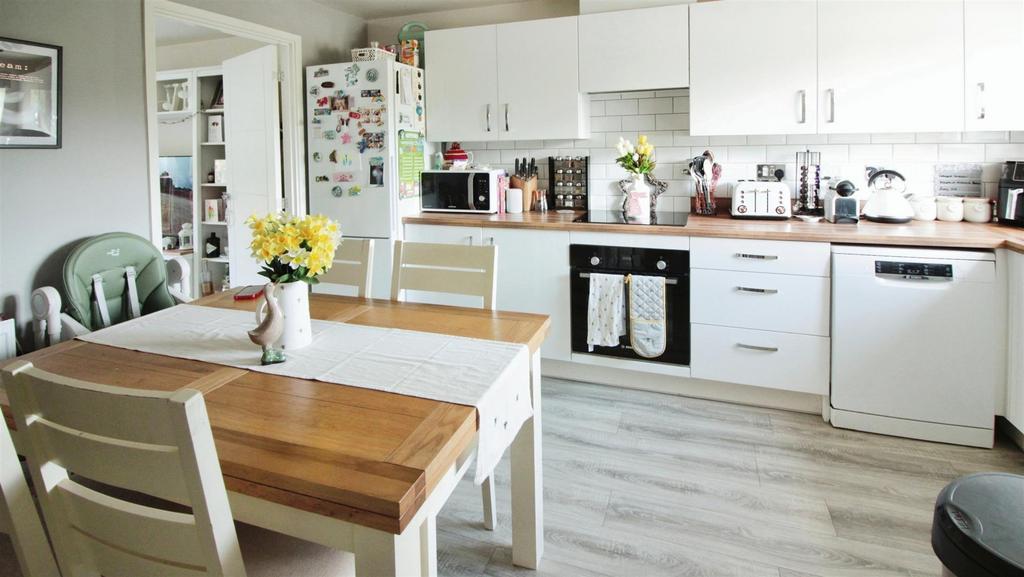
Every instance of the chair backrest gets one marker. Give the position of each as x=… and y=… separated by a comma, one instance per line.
x=153, y=443
x=353, y=265
x=445, y=268
x=109, y=256
x=18, y=516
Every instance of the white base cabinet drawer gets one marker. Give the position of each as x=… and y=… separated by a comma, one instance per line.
x=771, y=256
x=771, y=302
x=760, y=358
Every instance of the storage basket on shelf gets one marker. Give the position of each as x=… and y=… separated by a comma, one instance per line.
x=370, y=54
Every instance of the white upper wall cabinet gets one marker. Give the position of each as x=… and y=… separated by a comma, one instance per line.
x=994, y=42
x=753, y=68
x=462, y=84
x=643, y=49
x=893, y=66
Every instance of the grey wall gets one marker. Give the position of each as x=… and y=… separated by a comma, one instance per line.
x=96, y=183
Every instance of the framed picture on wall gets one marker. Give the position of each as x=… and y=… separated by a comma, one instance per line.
x=30, y=94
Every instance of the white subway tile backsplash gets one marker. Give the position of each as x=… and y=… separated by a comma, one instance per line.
x=603, y=156
x=660, y=137
x=606, y=124
x=528, y=144
x=671, y=93
x=938, y=137
x=656, y=106
x=767, y=139
x=597, y=108
x=915, y=152
x=639, y=94
x=747, y=154
x=870, y=153
x=784, y=153
x=727, y=140
x=486, y=156
x=1017, y=136
x=986, y=137
x=611, y=139
x=893, y=138
x=642, y=122
x=683, y=138
x=621, y=107
x=807, y=139
x=961, y=152
x=681, y=105
x=849, y=138
x=1003, y=152
x=510, y=156
x=673, y=121
x=559, y=143
x=605, y=96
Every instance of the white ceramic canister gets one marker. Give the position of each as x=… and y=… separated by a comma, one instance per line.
x=514, y=201
x=924, y=207
x=977, y=209
x=950, y=208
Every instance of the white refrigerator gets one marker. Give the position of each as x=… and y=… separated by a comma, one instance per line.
x=366, y=149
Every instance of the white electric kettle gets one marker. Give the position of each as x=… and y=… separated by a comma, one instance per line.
x=888, y=202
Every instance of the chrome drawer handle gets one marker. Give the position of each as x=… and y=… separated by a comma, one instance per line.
x=760, y=291
x=758, y=348
x=756, y=256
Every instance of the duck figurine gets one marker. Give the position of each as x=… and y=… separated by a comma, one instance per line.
x=269, y=329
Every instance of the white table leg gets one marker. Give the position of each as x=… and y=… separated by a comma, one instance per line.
x=490, y=504
x=528, y=483
x=382, y=554
x=428, y=546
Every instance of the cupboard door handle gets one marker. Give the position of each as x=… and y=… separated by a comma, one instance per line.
x=470, y=238
x=756, y=256
x=803, y=106
x=490, y=240
x=758, y=348
x=981, y=101
x=488, y=117
x=760, y=291
x=831, y=105
x=507, y=107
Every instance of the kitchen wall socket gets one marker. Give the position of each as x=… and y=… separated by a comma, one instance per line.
x=682, y=171
x=766, y=172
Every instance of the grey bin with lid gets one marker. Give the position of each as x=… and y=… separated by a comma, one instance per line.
x=978, y=528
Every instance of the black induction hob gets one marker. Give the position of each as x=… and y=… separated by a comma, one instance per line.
x=618, y=217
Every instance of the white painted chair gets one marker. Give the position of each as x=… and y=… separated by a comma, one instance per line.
x=18, y=516
x=353, y=265
x=157, y=444
x=451, y=269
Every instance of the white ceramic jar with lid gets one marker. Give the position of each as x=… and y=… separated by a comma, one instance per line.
x=924, y=207
x=950, y=208
x=977, y=209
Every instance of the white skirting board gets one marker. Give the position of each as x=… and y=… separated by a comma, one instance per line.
x=683, y=386
x=911, y=429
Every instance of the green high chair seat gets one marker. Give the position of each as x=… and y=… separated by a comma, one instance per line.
x=108, y=279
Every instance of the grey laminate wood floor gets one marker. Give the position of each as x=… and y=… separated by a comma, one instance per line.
x=640, y=484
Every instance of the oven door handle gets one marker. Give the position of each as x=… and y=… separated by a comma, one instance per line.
x=668, y=280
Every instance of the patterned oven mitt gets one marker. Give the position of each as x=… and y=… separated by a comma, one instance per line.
x=647, y=315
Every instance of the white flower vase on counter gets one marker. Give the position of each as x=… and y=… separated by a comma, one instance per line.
x=293, y=301
x=636, y=206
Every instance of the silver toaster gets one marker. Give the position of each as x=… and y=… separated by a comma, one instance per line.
x=753, y=199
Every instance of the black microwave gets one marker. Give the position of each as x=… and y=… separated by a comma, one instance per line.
x=459, y=190
x=1010, y=207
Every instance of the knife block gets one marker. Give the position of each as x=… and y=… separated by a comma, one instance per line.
x=528, y=186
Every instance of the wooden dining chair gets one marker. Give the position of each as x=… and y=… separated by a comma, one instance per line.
x=153, y=443
x=18, y=516
x=353, y=265
x=451, y=269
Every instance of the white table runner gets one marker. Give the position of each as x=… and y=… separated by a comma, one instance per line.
x=492, y=376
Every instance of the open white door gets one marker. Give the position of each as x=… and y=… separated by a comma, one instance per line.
x=252, y=121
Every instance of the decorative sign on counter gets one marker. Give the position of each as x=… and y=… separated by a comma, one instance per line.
x=958, y=179
x=410, y=163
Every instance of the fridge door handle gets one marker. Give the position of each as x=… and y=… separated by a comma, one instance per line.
x=507, y=107
x=488, y=116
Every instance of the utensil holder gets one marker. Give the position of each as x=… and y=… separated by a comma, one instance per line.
x=528, y=186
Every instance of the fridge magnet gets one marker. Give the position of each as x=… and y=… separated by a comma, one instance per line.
x=374, y=140
x=342, y=123
x=320, y=73
x=323, y=102
x=346, y=138
x=372, y=75
x=321, y=178
x=31, y=79
x=374, y=95
x=317, y=157
x=363, y=145
x=316, y=120
x=341, y=103
x=343, y=177
x=321, y=111
x=330, y=135
x=354, y=115
x=327, y=84
x=336, y=191
x=314, y=91
x=352, y=75
x=347, y=161
x=377, y=171
x=333, y=157
x=355, y=190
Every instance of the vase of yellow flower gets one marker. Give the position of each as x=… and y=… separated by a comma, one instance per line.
x=638, y=161
x=294, y=251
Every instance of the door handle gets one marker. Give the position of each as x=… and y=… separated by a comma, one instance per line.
x=758, y=348
x=488, y=115
x=507, y=107
x=981, y=101
x=803, y=106
x=831, y=105
x=756, y=256
x=470, y=239
x=490, y=240
x=760, y=291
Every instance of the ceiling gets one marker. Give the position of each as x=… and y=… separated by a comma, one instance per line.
x=169, y=31
x=371, y=9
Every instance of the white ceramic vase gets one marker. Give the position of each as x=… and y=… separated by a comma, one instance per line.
x=293, y=300
x=636, y=206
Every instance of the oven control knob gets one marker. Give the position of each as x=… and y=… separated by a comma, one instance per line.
x=594, y=261
x=662, y=265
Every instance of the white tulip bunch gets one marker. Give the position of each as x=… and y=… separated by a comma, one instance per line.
x=637, y=159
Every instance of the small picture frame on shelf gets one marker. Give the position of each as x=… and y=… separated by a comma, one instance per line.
x=212, y=212
x=218, y=96
x=215, y=128
x=219, y=171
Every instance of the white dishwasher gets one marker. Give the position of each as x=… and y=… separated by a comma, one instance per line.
x=914, y=343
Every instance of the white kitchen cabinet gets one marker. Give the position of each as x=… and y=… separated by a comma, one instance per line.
x=516, y=81
x=994, y=46
x=775, y=302
x=609, y=42
x=893, y=66
x=462, y=84
x=1015, y=346
x=753, y=66
x=533, y=277
x=538, y=81
x=767, y=256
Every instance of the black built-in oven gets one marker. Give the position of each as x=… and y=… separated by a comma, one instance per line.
x=674, y=265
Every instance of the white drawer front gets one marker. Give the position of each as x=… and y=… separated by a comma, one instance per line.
x=760, y=358
x=773, y=256
x=771, y=302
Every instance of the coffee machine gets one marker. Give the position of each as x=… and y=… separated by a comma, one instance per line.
x=1010, y=205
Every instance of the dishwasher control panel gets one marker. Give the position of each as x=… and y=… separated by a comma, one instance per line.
x=914, y=270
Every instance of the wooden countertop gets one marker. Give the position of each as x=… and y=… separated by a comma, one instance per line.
x=914, y=233
x=366, y=456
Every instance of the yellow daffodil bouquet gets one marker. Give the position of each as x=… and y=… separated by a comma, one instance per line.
x=294, y=248
x=637, y=159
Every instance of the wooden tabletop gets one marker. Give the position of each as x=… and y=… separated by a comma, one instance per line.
x=365, y=456
x=914, y=233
